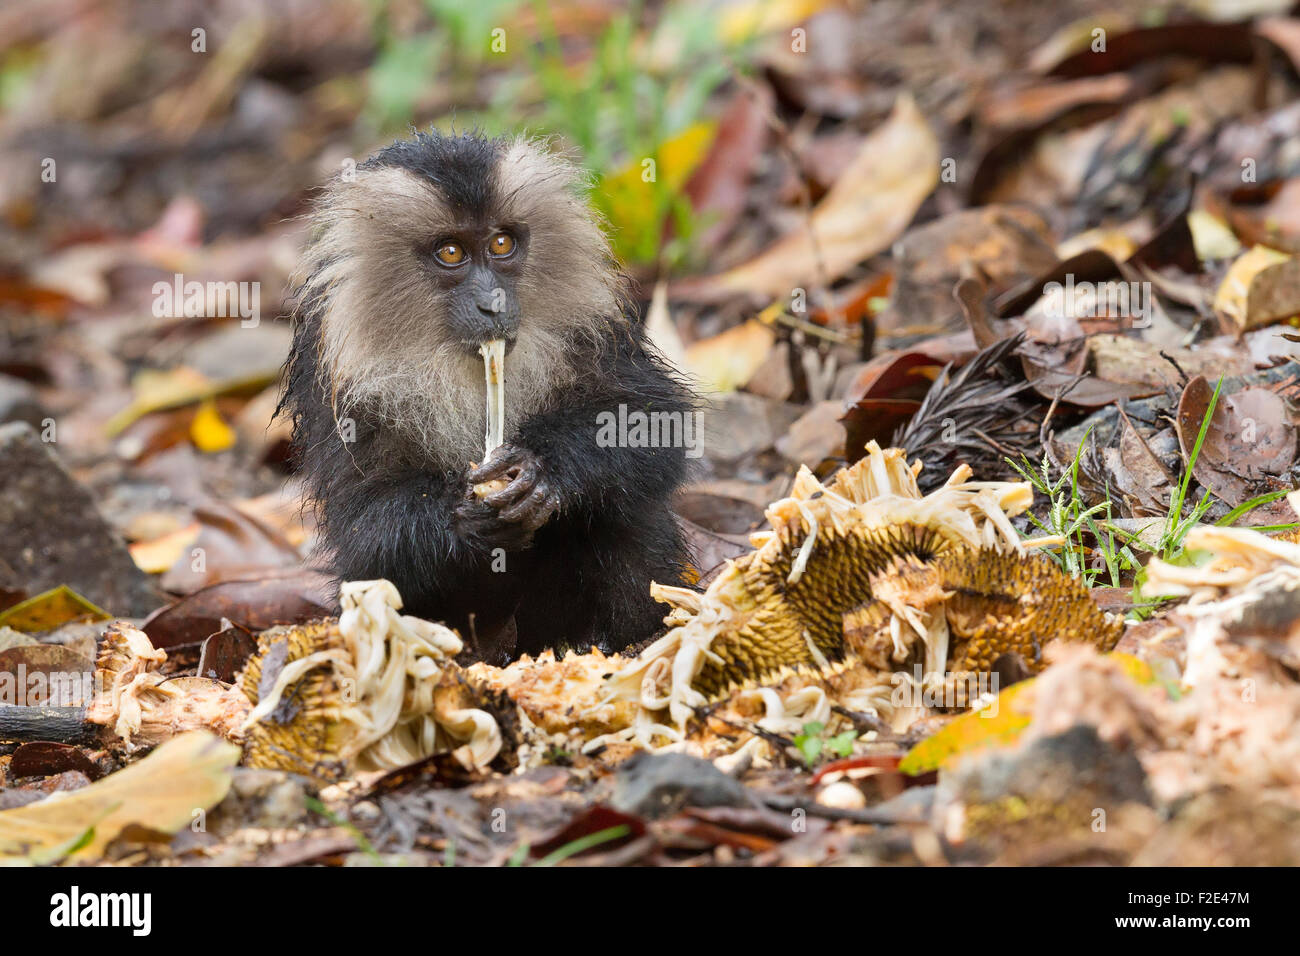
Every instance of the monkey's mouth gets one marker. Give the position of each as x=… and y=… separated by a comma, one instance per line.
x=476, y=346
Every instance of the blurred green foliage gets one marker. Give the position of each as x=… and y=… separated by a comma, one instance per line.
x=629, y=97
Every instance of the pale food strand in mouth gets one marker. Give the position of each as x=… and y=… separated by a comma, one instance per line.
x=494, y=373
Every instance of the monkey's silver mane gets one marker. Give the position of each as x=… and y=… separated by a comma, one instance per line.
x=382, y=343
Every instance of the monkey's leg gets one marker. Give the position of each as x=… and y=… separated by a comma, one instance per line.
x=591, y=586
x=449, y=559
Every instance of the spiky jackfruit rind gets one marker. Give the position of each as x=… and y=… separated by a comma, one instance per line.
x=1002, y=602
x=1016, y=603
x=305, y=732
x=775, y=620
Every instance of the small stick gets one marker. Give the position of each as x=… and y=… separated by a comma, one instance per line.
x=64, y=725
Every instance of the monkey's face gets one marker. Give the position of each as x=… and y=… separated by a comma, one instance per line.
x=436, y=245
x=476, y=267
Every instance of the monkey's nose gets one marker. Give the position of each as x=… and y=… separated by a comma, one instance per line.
x=501, y=323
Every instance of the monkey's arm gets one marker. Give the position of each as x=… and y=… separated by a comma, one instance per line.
x=559, y=462
x=417, y=530
x=381, y=515
x=411, y=527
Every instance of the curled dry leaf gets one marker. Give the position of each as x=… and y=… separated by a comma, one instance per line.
x=1137, y=471
x=1251, y=439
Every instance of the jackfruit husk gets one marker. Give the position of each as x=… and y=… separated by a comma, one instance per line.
x=857, y=579
x=1233, y=721
x=143, y=708
x=372, y=690
x=1234, y=558
x=863, y=595
x=1241, y=567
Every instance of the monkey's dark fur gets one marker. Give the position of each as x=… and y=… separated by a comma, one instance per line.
x=386, y=394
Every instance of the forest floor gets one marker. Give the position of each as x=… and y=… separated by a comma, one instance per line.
x=1058, y=245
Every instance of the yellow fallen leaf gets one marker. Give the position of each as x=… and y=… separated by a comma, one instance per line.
x=50, y=609
x=159, y=554
x=209, y=431
x=156, y=391
x=977, y=730
x=748, y=18
x=1260, y=287
x=187, y=774
x=1114, y=242
x=729, y=359
x=627, y=198
x=1211, y=236
x=871, y=203
x=971, y=731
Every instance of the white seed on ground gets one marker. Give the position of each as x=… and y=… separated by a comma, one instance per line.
x=842, y=795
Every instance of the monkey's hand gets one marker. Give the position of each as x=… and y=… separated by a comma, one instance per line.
x=528, y=500
x=482, y=527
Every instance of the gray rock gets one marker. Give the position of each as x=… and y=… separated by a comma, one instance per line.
x=19, y=402
x=51, y=532
x=1075, y=766
x=658, y=785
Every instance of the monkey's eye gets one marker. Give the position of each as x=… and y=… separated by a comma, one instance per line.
x=451, y=253
x=501, y=245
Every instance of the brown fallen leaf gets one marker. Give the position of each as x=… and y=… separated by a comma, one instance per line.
x=815, y=436
x=1250, y=440
x=1271, y=217
x=874, y=200
x=719, y=513
x=289, y=597
x=719, y=187
x=37, y=675
x=231, y=544
x=224, y=654
x=708, y=549
x=883, y=397
x=596, y=819
x=45, y=758
x=1004, y=245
